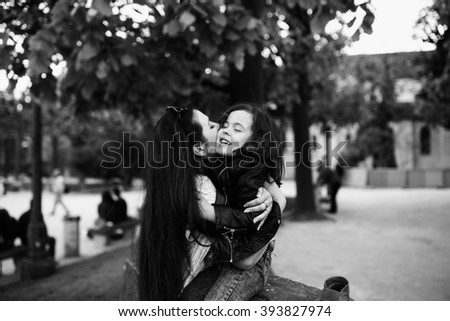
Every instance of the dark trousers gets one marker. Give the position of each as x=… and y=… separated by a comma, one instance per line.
x=333, y=190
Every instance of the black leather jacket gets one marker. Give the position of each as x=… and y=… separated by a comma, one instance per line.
x=237, y=235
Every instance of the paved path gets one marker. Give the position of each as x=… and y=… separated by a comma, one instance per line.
x=392, y=244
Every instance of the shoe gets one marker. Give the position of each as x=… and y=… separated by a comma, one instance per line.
x=335, y=288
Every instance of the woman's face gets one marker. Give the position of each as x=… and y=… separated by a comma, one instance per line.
x=209, y=128
x=235, y=132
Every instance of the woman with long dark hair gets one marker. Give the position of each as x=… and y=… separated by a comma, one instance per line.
x=175, y=214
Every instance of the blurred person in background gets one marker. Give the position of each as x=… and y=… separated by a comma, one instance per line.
x=58, y=187
x=8, y=230
x=113, y=208
x=332, y=179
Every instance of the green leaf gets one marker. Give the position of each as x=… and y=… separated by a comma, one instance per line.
x=60, y=11
x=114, y=64
x=231, y=35
x=4, y=59
x=103, y=7
x=216, y=28
x=208, y=48
x=88, y=51
x=172, y=28
x=367, y=22
x=243, y=22
x=90, y=86
x=251, y=35
x=38, y=43
x=48, y=35
x=199, y=9
x=340, y=5
x=239, y=60
x=38, y=65
x=251, y=48
x=320, y=21
x=252, y=23
x=308, y=4
x=291, y=3
x=351, y=22
x=219, y=19
x=4, y=37
x=127, y=60
x=187, y=19
x=102, y=70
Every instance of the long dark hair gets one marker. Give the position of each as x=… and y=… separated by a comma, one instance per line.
x=266, y=136
x=170, y=205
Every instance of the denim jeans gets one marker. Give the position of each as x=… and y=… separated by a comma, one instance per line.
x=224, y=282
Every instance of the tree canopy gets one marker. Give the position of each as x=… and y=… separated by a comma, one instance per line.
x=138, y=55
x=433, y=27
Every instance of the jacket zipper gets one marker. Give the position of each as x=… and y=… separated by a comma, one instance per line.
x=230, y=232
x=231, y=247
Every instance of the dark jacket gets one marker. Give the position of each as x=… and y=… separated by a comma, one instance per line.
x=112, y=211
x=8, y=230
x=237, y=183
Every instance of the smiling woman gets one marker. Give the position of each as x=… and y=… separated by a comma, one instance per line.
x=180, y=238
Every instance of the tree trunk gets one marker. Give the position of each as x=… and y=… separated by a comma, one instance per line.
x=39, y=263
x=305, y=205
x=55, y=152
x=247, y=85
x=18, y=144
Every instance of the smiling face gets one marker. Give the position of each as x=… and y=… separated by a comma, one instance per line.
x=235, y=132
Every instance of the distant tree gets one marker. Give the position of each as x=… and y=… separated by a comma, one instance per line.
x=374, y=92
x=433, y=27
x=93, y=133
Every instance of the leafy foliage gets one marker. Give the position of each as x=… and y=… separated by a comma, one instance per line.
x=140, y=55
x=434, y=24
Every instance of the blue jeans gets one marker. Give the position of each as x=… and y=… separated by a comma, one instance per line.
x=224, y=282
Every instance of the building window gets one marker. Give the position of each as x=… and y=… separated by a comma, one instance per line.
x=425, y=141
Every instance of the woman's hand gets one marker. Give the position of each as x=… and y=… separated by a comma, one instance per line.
x=262, y=202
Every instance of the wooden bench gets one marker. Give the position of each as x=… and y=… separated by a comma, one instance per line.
x=277, y=289
x=106, y=234
x=16, y=253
